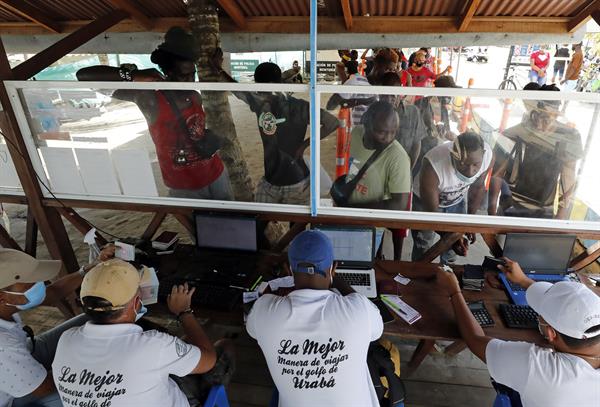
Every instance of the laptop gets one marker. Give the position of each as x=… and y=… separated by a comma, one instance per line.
x=354, y=253
x=543, y=257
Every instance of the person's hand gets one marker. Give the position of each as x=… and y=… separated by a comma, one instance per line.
x=107, y=252
x=563, y=81
x=513, y=272
x=541, y=74
x=461, y=247
x=147, y=75
x=448, y=281
x=180, y=298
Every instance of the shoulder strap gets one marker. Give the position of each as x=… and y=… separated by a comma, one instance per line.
x=354, y=182
x=182, y=124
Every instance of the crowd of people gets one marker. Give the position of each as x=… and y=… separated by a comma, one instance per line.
x=412, y=154
x=321, y=342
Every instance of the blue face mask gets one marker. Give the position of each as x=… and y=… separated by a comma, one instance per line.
x=35, y=296
x=140, y=313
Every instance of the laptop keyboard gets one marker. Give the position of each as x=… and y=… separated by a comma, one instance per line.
x=516, y=287
x=357, y=279
x=518, y=316
x=206, y=295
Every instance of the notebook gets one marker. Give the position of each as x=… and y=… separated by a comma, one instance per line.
x=543, y=257
x=354, y=252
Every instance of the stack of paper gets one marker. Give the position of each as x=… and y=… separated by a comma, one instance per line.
x=404, y=311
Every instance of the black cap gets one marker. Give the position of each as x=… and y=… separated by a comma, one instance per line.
x=267, y=72
x=445, y=81
x=180, y=43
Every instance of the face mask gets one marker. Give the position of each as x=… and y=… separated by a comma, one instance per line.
x=140, y=313
x=35, y=296
x=462, y=177
x=419, y=64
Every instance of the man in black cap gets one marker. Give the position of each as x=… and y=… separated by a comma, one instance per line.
x=186, y=150
x=282, y=123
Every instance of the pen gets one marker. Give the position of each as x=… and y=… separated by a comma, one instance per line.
x=238, y=287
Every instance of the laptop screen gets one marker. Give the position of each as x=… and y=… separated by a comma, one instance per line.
x=540, y=252
x=351, y=244
x=225, y=231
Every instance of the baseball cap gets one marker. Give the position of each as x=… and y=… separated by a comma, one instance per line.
x=311, y=252
x=19, y=267
x=569, y=307
x=114, y=280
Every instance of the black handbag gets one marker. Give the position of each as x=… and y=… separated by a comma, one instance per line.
x=207, y=145
x=341, y=190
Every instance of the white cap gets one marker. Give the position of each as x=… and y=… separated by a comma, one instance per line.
x=569, y=307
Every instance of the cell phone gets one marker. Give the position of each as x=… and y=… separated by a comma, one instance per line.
x=481, y=314
x=386, y=315
x=492, y=263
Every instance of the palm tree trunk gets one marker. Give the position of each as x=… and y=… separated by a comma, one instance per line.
x=204, y=23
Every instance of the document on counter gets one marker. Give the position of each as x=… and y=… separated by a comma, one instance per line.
x=124, y=251
x=282, y=282
x=401, y=279
x=404, y=311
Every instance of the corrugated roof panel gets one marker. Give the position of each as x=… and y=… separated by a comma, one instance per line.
x=8, y=17
x=162, y=8
x=531, y=8
x=388, y=8
x=66, y=10
x=273, y=8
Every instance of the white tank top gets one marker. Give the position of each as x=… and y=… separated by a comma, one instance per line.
x=452, y=189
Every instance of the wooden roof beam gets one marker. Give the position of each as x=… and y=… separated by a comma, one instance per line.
x=25, y=10
x=464, y=20
x=596, y=16
x=50, y=55
x=134, y=11
x=583, y=16
x=234, y=12
x=347, y=14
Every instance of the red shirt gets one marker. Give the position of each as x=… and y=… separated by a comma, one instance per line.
x=539, y=60
x=169, y=138
x=420, y=78
x=404, y=77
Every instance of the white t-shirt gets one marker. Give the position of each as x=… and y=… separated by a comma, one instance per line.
x=452, y=189
x=357, y=111
x=315, y=343
x=123, y=364
x=20, y=373
x=542, y=377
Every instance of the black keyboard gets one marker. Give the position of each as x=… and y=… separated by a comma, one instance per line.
x=518, y=316
x=216, y=297
x=360, y=279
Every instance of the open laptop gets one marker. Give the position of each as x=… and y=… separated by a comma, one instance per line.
x=354, y=252
x=543, y=257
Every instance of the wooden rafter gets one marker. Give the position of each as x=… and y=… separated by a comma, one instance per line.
x=234, y=12
x=347, y=14
x=596, y=16
x=583, y=16
x=465, y=19
x=29, y=12
x=134, y=11
x=47, y=57
x=7, y=241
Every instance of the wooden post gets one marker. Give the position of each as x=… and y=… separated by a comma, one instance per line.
x=7, y=241
x=157, y=220
x=31, y=232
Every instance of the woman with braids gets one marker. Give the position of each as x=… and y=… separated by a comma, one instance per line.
x=186, y=150
x=451, y=180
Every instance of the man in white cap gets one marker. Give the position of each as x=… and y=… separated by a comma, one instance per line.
x=314, y=340
x=567, y=374
x=111, y=361
x=25, y=361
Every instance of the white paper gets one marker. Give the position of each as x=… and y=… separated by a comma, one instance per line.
x=282, y=282
x=402, y=309
x=62, y=170
x=250, y=296
x=90, y=240
x=8, y=173
x=97, y=171
x=135, y=172
x=401, y=279
x=262, y=287
x=149, y=286
x=124, y=251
